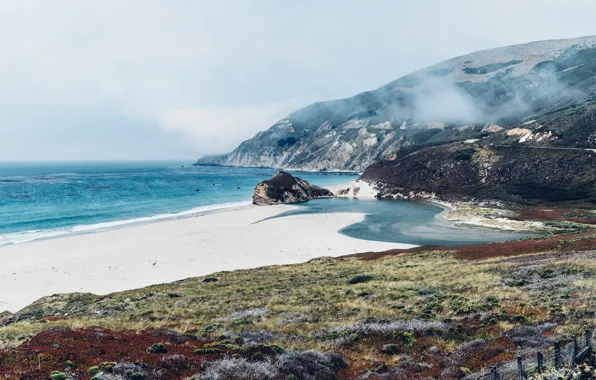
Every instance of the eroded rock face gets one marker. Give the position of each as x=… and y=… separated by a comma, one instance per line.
x=511, y=173
x=285, y=188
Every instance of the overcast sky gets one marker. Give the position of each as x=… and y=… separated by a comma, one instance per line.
x=147, y=79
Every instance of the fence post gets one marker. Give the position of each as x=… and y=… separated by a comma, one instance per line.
x=575, y=351
x=589, y=339
x=520, y=369
x=540, y=362
x=557, y=354
x=493, y=373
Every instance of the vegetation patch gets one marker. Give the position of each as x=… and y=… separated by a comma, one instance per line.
x=208, y=351
x=157, y=348
x=361, y=278
x=425, y=314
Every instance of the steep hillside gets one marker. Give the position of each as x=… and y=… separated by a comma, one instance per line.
x=468, y=97
x=512, y=173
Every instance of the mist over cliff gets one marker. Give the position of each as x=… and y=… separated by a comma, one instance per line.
x=479, y=95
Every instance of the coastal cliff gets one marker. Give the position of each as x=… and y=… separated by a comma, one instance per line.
x=504, y=94
x=285, y=188
x=511, y=173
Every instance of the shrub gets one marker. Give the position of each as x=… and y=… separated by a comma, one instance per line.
x=131, y=370
x=258, y=357
x=360, y=279
x=404, y=337
x=376, y=328
x=277, y=349
x=210, y=279
x=261, y=350
x=176, y=363
x=390, y=349
x=69, y=363
x=307, y=365
x=157, y=348
x=310, y=364
x=528, y=336
x=59, y=375
x=212, y=327
x=579, y=372
x=208, y=351
x=491, y=302
x=519, y=318
x=239, y=369
x=107, y=366
x=342, y=336
x=93, y=370
x=239, y=322
x=105, y=376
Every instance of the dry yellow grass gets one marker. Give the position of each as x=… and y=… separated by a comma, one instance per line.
x=322, y=303
x=302, y=300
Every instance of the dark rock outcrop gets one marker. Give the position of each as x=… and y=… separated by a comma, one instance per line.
x=285, y=188
x=512, y=173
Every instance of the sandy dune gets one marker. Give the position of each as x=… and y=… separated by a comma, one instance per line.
x=142, y=255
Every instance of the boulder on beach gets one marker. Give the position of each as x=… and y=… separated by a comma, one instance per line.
x=285, y=188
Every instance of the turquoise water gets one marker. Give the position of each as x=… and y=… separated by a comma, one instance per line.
x=56, y=199
x=41, y=200
x=402, y=222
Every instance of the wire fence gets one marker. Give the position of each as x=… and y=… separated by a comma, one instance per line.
x=562, y=353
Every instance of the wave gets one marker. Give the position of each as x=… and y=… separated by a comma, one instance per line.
x=32, y=235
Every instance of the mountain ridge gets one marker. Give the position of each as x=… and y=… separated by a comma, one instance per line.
x=454, y=100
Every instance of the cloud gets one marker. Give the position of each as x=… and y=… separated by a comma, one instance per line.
x=201, y=76
x=445, y=102
x=223, y=128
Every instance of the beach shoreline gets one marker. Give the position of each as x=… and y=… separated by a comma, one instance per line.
x=136, y=256
x=82, y=229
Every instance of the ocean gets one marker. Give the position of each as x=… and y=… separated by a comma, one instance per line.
x=44, y=200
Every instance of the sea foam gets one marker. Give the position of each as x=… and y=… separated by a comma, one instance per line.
x=28, y=236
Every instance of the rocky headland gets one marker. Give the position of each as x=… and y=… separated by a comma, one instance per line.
x=285, y=188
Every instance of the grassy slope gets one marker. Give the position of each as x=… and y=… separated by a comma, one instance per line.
x=471, y=299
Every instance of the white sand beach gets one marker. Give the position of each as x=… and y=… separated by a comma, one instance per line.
x=166, y=251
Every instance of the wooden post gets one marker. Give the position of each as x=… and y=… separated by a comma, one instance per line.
x=493, y=373
x=557, y=355
x=520, y=369
x=575, y=351
x=540, y=362
x=589, y=339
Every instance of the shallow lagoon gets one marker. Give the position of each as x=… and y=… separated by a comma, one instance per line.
x=403, y=222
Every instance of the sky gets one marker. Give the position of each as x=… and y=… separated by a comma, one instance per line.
x=177, y=79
